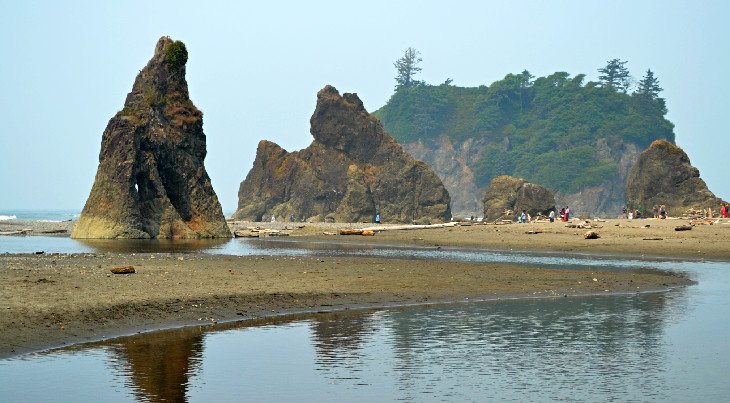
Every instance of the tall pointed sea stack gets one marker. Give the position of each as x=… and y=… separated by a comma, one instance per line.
x=352, y=170
x=151, y=182
x=664, y=175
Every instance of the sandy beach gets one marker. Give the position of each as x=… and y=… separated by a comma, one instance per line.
x=52, y=300
x=627, y=238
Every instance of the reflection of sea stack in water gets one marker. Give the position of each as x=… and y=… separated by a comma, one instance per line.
x=663, y=175
x=161, y=364
x=151, y=182
x=516, y=194
x=352, y=170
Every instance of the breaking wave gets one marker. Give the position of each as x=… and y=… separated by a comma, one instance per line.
x=7, y=217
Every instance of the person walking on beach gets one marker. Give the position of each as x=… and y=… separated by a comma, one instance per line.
x=567, y=213
x=552, y=216
x=377, y=218
x=655, y=212
x=663, y=211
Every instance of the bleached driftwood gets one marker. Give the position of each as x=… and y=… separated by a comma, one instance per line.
x=409, y=227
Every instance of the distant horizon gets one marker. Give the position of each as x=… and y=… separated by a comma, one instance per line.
x=254, y=70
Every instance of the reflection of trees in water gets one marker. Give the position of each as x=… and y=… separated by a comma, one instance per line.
x=610, y=342
x=160, y=364
x=338, y=337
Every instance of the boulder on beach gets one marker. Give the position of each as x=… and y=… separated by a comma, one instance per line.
x=516, y=194
x=151, y=181
x=663, y=175
x=352, y=170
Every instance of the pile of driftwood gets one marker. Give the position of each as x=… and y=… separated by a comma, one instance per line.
x=379, y=228
x=704, y=221
x=22, y=231
x=583, y=225
x=256, y=232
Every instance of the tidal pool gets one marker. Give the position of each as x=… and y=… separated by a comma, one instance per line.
x=664, y=347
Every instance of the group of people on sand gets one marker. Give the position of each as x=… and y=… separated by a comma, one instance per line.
x=660, y=211
x=657, y=212
x=525, y=217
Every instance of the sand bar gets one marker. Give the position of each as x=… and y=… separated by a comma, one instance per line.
x=54, y=300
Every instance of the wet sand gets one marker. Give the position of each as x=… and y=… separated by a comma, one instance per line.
x=54, y=300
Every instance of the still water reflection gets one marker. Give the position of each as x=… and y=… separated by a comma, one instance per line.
x=645, y=347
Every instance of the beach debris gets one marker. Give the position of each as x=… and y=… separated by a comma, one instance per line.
x=259, y=232
x=533, y=232
x=408, y=227
x=591, y=235
x=122, y=270
x=348, y=231
x=581, y=224
x=653, y=239
x=54, y=231
x=328, y=233
x=683, y=228
x=705, y=221
x=368, y=232
x=40, y=252
x=22, y=231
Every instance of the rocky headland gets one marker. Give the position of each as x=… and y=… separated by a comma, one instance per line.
x=663, y=174
x=516, y=194
x=151, y=181
x=352, y=171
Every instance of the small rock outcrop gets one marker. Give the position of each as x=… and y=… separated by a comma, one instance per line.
x=663, y=175
x=352, y=170
x=516, y=194
x=151, y=182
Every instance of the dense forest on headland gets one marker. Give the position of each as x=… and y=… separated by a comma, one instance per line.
x=550, y=130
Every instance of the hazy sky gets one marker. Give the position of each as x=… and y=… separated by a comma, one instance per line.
x=254, y=70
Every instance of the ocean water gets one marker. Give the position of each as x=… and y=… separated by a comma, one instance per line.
x=48, y=215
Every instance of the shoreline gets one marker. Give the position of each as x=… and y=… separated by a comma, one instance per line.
x=640, y=238
x=52, y=301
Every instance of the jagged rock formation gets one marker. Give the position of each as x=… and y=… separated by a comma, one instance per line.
x=352, y=170
x=663, y=175
x=516, y=194
x=151, y=182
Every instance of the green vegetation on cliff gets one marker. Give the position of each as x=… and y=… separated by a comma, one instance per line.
x=549, y=130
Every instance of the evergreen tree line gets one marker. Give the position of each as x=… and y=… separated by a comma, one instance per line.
x=545, y=129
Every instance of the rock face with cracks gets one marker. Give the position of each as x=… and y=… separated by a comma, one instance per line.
x=352, y=170
x=151, y=181
x=663, y=175
x=516, y=194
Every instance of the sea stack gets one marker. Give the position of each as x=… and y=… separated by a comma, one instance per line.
x=516, y=194
x=352, y=171
x=664, y=175
x=151, y=181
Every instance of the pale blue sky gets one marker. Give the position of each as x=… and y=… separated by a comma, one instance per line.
x=254, y=70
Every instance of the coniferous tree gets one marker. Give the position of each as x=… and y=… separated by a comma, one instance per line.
x=648, y=92
x=615, y=75
x=407, y=68
x=649, y=86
